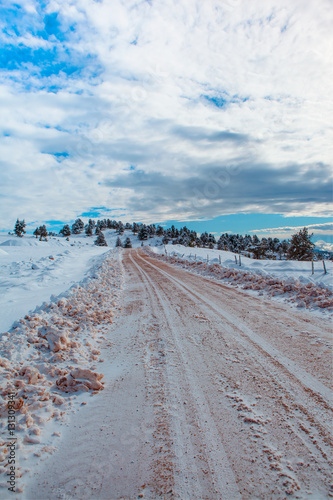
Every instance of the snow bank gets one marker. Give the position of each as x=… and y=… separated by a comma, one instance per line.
x=52, y=353
x=284, y=269
x=301, y=291
x=30, y=271
x=19, y=242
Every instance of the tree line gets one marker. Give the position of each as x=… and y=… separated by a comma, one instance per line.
x=300, y=247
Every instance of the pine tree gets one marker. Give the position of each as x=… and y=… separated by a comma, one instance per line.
x=42, y=232
x=65, y=231
x=90, y=227
x=255, y=240
x=211, y=241
x=143, y=233
x=78, y=226
x=135, y=227
x=260, y=250
x=118, y=242
x=301, y=246
x=100, y=241
x=19, y=228
x=127, y=243
x=36, y=232
x=151, y=230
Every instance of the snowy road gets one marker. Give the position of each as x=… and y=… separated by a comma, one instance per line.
x=209, y=393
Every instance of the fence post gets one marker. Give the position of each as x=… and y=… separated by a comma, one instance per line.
x=324, y=266
x=240, y=262
x=312, y=265
x=207, y=259
x=236, y=259
x=220, y=259
x=195, y=257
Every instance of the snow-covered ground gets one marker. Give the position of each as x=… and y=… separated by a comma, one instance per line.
x=210, y=392
x=283, y=269
x=281, y=279
x=32, y=270
x=57, y=301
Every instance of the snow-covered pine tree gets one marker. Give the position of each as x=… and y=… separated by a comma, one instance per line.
x=78, y=226
x=89, y=228
x=301, y=246
x=143, y=233
x=102, y=224
x=204, y=239
x=135, y=227
x=100, y=240
x=19, y=228
x=65, y=231
x=159, y=231
x=118, y=242
x=127, y=243
x=211, y=241
x=42, y=232
x=151, y=230
x=255, y=240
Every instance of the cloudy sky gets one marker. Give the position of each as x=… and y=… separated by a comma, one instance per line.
x=165, y=110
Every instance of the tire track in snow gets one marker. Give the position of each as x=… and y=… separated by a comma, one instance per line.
x=314, y=398
x=183, y=486
x=305, y=379
x=217, y=458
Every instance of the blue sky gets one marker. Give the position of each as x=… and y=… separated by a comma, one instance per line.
x=216, y=114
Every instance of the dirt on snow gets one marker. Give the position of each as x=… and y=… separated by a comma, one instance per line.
x=209, y=393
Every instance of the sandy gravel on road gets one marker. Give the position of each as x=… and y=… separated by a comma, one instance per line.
x=209, y=393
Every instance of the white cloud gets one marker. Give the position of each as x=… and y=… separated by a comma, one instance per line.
x=324, y=230
x=140, y=95
x=323, y=245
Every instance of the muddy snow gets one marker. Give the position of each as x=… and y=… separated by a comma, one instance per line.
x=146, y=380
x=50, y=354
x=290, y=281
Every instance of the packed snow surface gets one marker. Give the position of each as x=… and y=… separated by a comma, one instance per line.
x=194, y=383
x=209, y=392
